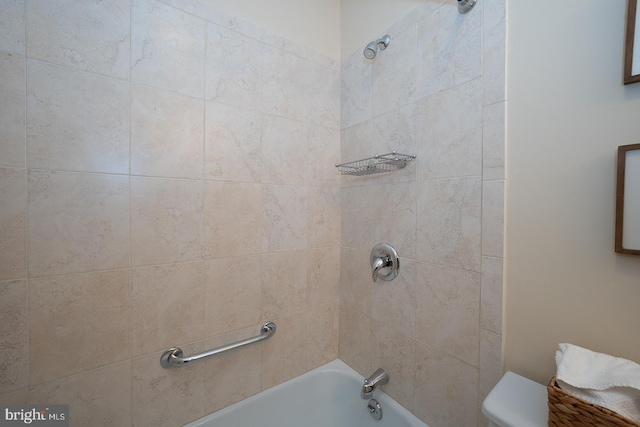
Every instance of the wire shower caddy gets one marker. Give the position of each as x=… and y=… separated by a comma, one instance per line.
x=376, y=164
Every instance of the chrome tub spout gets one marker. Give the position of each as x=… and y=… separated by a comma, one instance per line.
x=377, y=379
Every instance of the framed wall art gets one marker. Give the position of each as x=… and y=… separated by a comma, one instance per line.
x=632, y=44
x=628, y=200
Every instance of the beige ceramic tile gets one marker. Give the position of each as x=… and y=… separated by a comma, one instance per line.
x=77, y=223
x=284, y=150
x=356, y=142
x=13, y=224
x=323, y=277
x=232, y=377
x=449, y=49
x=167, y=397
x=448, y=146
x=76, y=120
x=233, y=294
x=167, y=306
x=233, y=68
x=87, y=35
x=491, y=294
x=395, y=353
x=448, y=310
x=167, y=48
x=166, y=221
x=396, y=131
x=284, y=284
x=493, y=217
x=322, y=337
x=394, y=302
x=446, y=389
x=490, y=362
x=13, y=110
x=323, y=154
x=77, y=323
x=232, y=219
x=284, y=354
x=167, y=134
x=394, y=73
x=232, y=143
x=356, y=88
x=284, y=218
x=494, y=141
x=356, y=281
x=19, y=397
x=356, y=217
x=355, y=340
x=14, y=337
x=323, y=95
x=394, y=212
x=12, y=26
x=449, y=218
x=99, y=398
x=323, y=217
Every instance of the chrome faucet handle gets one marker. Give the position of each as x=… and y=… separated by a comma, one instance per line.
x=384, y=262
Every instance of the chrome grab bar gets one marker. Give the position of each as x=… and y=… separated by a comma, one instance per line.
x=173, y=357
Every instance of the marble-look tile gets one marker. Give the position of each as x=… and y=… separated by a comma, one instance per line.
x=323, y=277
x=490, y=362
x=14, y=336
x=18, y=397
x=88, y=314
x=493, y=217
x=356, y=144
x=322, y=339
x=494, y=63
x=232, y=219
x=449, y=217
x=233, y=68
x=494, y=141
x=13, y=110
x=355, y=279
x=12, y=26
x=394, y=303
x=13, y=224
x=167, y=48
x=395, y=353
x=323, y=93
x=77, y=223
x=232, y=377
x=289, y=345
x=396, y=131
x=491, y=294
x=449, y=310
x=323, y=217
x=86, y=35
x=322, y=156
x=446, y=389
x=284, y=218
x=167, y=397
x=284, y=150
x=99, y=398
x=495, y=12
x=394, y=73
x=356, y=217
x=166, y=221
x=284, y=284
x=233, y=150
x=285, y=84
x=394, y=216
x=167, y=306
x=355, y=340
x=167, y=134
x=356, y=89
x=232, y=294
x=450, y=129
x=76, y=120
x=449, y=49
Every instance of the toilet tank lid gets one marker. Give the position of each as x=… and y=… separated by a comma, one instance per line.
x=517, y=402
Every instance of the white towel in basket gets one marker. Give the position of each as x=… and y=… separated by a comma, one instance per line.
x=600, y=379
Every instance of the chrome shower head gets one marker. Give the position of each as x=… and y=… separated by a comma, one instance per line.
x=371, y=50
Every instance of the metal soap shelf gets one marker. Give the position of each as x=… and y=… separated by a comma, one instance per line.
x=376, y=164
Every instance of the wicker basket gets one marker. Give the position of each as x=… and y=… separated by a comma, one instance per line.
x=566, y=410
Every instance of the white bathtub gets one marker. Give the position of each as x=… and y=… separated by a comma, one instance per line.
x=328, y=396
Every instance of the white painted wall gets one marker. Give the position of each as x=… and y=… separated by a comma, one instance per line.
x=567, y=113
x=311, y=23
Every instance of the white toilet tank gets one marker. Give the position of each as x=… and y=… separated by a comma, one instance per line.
x=517, y=402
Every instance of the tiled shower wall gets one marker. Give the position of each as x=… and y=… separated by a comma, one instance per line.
x=166, y=179
x=437, y=91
